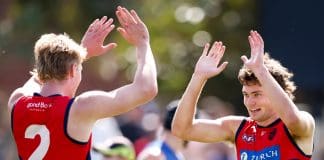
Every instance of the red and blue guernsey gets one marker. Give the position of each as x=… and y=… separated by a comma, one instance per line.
x=273, y=142
x=39, y=126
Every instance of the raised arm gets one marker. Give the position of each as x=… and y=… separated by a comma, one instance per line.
x=184, y=124
x=299, y=123
x=100, y=104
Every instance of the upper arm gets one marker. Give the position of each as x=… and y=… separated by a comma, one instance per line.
x=101, y=104
x=303, y=125
x=31, y=86
x=220, y=129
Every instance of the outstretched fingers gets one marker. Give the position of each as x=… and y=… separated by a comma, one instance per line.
x=208, y=64
x=128, y=16
x=220, y=53
x=205, y=51
x=122, y=31
x=255, y=40
x=120, y=16
x=124, y=17
x=220, y=50
x=251, y=41
x=257, y=51
x=91, y=27
x=222, y=66
x=213, y=49
x=244, y=59
x=135, y=16
x=103, y=20
x=109, y=47
x=217, y=51
x=258, y=38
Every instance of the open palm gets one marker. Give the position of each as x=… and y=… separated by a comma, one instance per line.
x=95, y=36
x=132, y=27
x=257, y=51
x=208, y=63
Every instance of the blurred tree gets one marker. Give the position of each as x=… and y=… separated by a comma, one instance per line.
x=178, y=31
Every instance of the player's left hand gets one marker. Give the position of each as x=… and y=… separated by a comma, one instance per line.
x=94, y=37
x=257, y=51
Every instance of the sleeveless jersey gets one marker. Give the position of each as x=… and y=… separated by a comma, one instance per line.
x=273, y=142
x=39, y=126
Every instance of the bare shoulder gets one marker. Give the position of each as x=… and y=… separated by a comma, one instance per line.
x=14, y=97
x=233, y=122
x=85, y=102
x=308, y=122
x=305, y=137
x=308, y=117
x=93, y=98
x=92, y=105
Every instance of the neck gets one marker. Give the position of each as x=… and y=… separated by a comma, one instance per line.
x=268, y=121
x=55, y=87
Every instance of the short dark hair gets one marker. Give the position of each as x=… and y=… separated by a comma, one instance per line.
x=171, y=108
x=169, y=114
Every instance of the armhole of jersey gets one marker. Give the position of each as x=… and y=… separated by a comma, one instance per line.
x=12, y=114
x=12, y=117
x=291, y=139
x=66, y=117
x=89, y=156
x=239, y=129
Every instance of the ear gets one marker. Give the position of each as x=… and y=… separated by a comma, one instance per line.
x=73, y=70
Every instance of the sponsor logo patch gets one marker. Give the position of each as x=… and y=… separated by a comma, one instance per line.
x=270, y=153
x=39, y=106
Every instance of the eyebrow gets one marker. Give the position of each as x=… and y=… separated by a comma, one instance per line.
x=252, y=92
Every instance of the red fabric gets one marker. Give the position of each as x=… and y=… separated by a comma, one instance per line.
x=140, y=144
x=272, y=142
x=47, y=113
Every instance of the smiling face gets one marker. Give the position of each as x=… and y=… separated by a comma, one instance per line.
x=257, y=104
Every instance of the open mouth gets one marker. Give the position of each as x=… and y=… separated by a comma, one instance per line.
x=255, y=110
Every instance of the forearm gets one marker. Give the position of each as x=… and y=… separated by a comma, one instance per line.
x=280, y=100
x=146, y=74
x=185, y=113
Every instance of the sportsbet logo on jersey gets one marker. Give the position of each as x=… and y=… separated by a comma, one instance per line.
x=39, y=106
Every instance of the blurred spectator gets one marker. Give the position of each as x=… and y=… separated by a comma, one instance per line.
x=166, y=146
x=102, y=130
x=116, y=148
x=139, y=125
x=211, y=108
x=7, y=146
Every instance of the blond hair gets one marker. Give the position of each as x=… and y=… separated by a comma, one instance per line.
x=279, y=73
x=54, y=54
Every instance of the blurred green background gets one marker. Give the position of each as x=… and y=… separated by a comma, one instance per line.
x=178, y=30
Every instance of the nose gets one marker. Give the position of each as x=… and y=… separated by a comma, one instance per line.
x=250, y=101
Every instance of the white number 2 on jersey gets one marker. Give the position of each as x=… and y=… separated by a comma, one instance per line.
x=43, y=132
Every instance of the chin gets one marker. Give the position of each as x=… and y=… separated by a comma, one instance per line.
x=255, y=118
